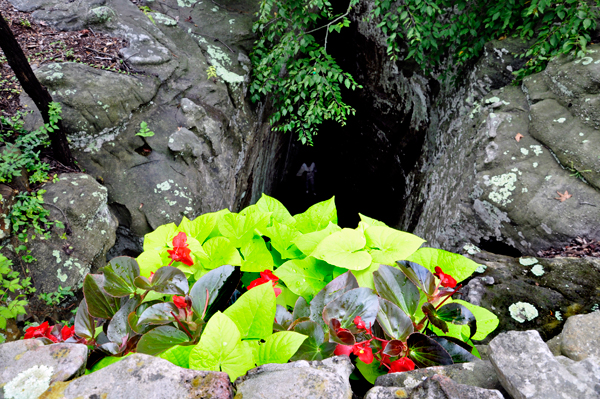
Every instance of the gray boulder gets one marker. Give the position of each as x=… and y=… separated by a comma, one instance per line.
x=29, y=367
x=436, y=386
x=580, y=337
x=327, y=379
x=527, y=369
x=144, y=377
x=218, y=161
x=534, y=293
x=80, y=203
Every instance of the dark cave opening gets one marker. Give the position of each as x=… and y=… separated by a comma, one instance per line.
x=364, y=163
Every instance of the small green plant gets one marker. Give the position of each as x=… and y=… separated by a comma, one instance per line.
x=576, y=173
x=211, y=72
x=144, y=131
x=25, y=23
x=55, y=298
x=147, y=12
x=13, y=291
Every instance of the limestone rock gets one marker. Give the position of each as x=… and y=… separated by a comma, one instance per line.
x=80, y=203
x=527, y=369
x=437, y=386
x=478, y=374
x=580, y=337
x=143, y=376
x=31, y=366
x=556, y=288
x=327, y=379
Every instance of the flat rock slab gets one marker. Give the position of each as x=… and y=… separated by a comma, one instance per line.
x=438, y=387
x=32, y=364
x=527, y=369
x=142, y=376
x=327, y=379
x=580, y=337
x=478, y=374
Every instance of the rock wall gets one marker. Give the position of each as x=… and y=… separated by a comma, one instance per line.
x=210, y=149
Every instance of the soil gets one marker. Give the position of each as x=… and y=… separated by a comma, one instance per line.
x=43, y=44
x=579, y=248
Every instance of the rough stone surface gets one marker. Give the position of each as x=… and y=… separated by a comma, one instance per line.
x=144, y=376
x=327, y=379
x=437, y=386
x=80, y=203
x=580, y=337
x=556, y=288
x=61, y=362
x=478, y=374
x=527, y=369
x=210, y=149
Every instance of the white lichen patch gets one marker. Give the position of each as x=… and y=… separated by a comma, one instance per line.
x=581, y=134
x=56, y=254
x=560, y=120
x=471, y=249
x=523, y=311
x=537, y=149
x=547, y=178
x=186, y=3
x=480, y=269
x=535, y=164
x=29, y=384
x=528, y=261
x=219, y=60
x=558, y=315
x=524, y=151
x=164, y=186
x=504, y=185
x=492, y=100
x=586, y=60
x=538, y=270
x=164, y=19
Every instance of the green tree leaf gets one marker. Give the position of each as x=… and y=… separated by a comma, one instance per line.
x=280, y=347
x=254, y=312
x=220, y=251
x=119, y=275
x=344, y=249
x=393, y=285
x=455, y=265
x=167, y=280
x=387, y=245
x=199, y=228
x=278, y=211
x=178, y=355
x=257, y=257
x=394, y=321
x=317, y=217
x=304, y=277
x=308, y=242
x=160, y=238
x=211, y=282
x=370, y=371
x=160, y=339
x=282, y=238
x=314, y=347
x=220, y=349
x=99, y=303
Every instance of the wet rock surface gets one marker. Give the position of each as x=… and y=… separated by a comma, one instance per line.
x=80, y=203
x=301, y=379
x=580, y=337
x=30, y=366
x=436, y=386
x=220, y=162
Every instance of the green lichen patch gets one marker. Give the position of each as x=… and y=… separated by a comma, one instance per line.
x=528, y=261
x=503, y=186
x=538, y=270
x=523, y=311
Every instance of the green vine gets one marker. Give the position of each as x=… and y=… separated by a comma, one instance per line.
x=293, y=69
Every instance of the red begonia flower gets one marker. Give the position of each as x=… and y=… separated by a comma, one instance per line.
x=265, y=277
x=67, y=332
x=343, y=350
x=38, y=332
x=400, y=365
x=359, y=323
x=151, y=275
x=179, y=301
x=180, y=251
x=364, y=352
x=446, y=280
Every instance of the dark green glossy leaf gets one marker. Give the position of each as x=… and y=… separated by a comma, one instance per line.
x=301, y=309
x=339, y=335
x=119, y=276
x=370, y=371
x=336, y=288
x=458, y=353
x=283, y=318
x=99, y=303
x=431, y=313
x=419, y=275
x=84, y=323
x=459, y=314
x=314, y=347
x=160, y=313
x=357, y=302
x=212, y=282
x=112, y=348
x=160, y=339
x=119, y=325
x=394, y=321
x=132, y=319
x=425, y=352
x=394, y=348
x=167, y=280
x=393, y=285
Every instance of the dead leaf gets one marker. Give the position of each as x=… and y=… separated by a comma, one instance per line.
x=564, y=196
x=518, y=137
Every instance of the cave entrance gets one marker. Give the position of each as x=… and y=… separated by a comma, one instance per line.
x=364, y=163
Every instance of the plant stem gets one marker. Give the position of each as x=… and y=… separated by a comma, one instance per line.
x=182, y=326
